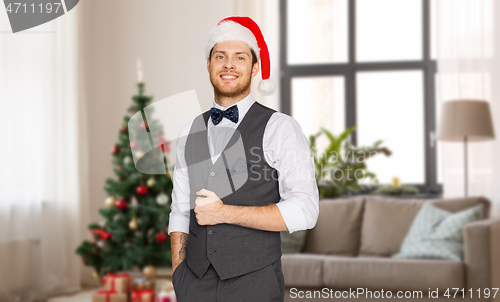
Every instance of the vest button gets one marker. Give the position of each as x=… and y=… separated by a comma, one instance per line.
x=212, y=173
x=210, y=232
x=210, y=251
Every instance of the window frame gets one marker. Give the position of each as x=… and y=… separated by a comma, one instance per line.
x=351, y=68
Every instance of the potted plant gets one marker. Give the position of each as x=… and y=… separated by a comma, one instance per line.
x=342, y=165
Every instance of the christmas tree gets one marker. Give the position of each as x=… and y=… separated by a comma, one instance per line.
x=136, y=212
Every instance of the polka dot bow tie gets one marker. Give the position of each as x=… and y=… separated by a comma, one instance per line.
x=230, y=113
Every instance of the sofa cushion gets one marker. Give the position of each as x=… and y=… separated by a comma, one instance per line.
x=377, y=273
x=338, y=228
x=303, y=269
x=437, y=233
x=459, y=204
x=386, y=221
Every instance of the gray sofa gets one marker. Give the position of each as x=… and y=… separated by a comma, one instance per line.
x=350, y=248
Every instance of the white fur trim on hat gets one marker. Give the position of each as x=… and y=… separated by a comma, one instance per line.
x=267, y=87
x=231, y=31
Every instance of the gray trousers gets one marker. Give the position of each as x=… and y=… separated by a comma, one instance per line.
x=263, y=285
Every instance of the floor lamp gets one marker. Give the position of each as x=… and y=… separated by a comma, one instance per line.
x=467, y=121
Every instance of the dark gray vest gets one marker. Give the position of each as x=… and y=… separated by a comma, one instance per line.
x=233, y=250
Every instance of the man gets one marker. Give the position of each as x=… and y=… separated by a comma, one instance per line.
x=227, y=248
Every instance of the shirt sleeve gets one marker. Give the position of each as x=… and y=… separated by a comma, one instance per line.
x=286, y=149
x=179, y=217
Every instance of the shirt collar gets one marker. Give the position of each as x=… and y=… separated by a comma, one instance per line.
x=243, y=105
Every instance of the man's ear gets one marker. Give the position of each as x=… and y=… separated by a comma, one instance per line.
x=255, y=69
x=208, y=65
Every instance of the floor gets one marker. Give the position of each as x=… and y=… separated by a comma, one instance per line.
x=83, y=296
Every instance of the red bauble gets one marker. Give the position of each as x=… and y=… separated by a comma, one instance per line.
x=121, y=204
x=123, y=129
x=161, y=238
x=115, y=149
x=133, y=144
x=167, y=147
x=142, y=190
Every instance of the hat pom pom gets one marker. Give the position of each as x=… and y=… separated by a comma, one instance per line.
x=267, y=87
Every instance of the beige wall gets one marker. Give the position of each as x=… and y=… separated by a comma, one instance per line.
x=169, y=37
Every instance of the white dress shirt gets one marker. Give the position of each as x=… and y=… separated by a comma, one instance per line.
x=286, y=149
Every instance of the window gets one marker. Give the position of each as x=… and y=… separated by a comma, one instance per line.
x=370, y=64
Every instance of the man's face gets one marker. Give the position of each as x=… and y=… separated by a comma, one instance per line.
x=230, y=68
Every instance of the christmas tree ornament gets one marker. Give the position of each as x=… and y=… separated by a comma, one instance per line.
x=133, y=224
x=162, y=199
x=115, y=149
x=102, y=233
x=139, y=153
x=95, y=276
x=123, y=129
x=110, y=201
x=121, y=204
x=101, y=244
x=149, y=271
x=133, y=202
x=161, y=238
x=142, y=190
x=127, y=160
x=166, y=146
x=151, y=182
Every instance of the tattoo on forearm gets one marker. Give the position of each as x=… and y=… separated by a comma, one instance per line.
x=182, y=251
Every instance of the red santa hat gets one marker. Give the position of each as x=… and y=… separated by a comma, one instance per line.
x=246, y=30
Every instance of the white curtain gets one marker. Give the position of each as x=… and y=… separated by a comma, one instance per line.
x=43, y=176
x=468, y=67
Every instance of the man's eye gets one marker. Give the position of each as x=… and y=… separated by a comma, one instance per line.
x=219, y=57
x=240, y=58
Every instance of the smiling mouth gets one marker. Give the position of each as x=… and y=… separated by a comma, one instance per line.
x=228, y=77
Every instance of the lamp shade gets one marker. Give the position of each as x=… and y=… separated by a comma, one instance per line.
x=460, y=118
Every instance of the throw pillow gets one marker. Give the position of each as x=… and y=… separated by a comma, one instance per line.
x=436, y=233
x=292, y=243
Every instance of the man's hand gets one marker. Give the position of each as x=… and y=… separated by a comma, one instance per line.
x=208, y=208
